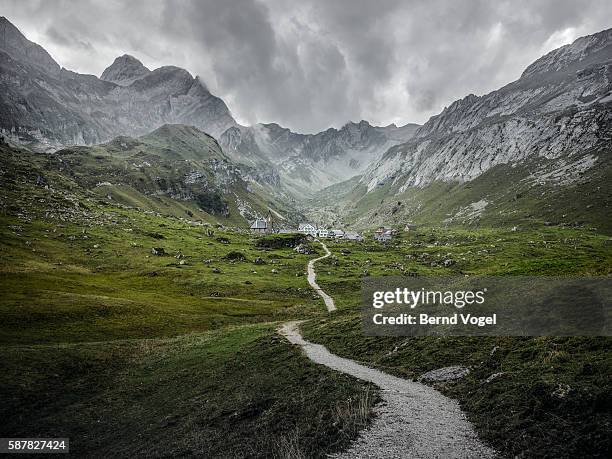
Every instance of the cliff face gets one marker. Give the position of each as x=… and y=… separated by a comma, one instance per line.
x=560, y=107
x=48, y=107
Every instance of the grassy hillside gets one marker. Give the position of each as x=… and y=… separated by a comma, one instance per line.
x=530, y=194
x=175, y=170
x=127, y=352
x=233, y=392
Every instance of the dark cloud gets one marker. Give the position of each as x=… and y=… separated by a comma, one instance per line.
x=311, y=64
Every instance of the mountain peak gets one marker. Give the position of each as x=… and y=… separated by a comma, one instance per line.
x=125, y=70
x=567, y=55
x=21, y=49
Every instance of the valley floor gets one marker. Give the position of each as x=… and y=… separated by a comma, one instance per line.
x=135, y=353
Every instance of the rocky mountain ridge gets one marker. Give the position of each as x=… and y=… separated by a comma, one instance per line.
x=310, y=162
x=556, y=111
x=47, y=107
x=550, y=131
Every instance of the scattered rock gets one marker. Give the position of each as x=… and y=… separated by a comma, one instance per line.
x=216, y=270
x=494, y=376
x=235, y=256
x=274, y=271
x=444, y=374
x=259, y=261
x=159, y=251
x=561, y=391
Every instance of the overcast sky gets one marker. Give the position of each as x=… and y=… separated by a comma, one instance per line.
x=312, y=64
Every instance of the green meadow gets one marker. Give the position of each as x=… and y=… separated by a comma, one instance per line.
x=535, y=397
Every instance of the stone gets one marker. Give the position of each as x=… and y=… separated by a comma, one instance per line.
x=158, y=251
x=494, y=376
x=444, y=374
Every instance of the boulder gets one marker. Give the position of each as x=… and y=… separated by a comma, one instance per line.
x=444, y=374
x=158, y=251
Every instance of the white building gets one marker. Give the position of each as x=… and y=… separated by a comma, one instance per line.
x=308, y=228
x=323, y=232
x=383, y=234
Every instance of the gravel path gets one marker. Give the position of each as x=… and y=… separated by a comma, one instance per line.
x=413, y=421
x=329, y=302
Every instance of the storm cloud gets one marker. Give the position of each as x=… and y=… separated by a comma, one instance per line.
x=312, y=64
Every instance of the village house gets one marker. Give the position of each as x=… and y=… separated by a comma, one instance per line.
x=308, y=228
x=353, y=236
x=336, y=233
x=383, y=234
x=259, y=226
x=323, y=232
x=263, y=225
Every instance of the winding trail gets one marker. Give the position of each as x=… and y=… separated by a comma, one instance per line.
x=329, y=302
x=413, y=420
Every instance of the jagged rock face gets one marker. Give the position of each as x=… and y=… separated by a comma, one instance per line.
x=48, y=108
x=309, y=162
x=124, y=71
x=593, y=47
x=561, y=106
x=14, y=43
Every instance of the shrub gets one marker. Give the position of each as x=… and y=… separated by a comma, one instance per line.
x=279, y=241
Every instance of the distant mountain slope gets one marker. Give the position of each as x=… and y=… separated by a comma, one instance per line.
x=310, y=162
x=48, y=107
x=556, y=119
